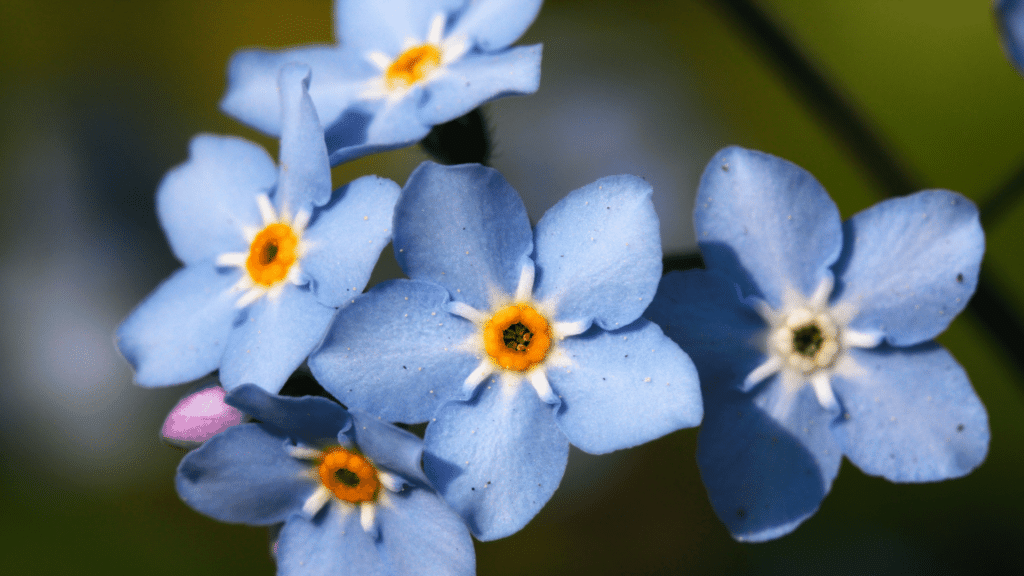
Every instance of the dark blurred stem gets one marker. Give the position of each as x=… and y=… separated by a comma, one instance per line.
x=831, y=108
x=989, y=305
x=673, y=262
x=463, y=140
x=1000, y=202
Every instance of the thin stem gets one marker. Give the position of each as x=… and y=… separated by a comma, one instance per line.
x=831, y=107
x=1000, y=202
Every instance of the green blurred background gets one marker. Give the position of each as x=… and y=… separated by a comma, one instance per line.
x=98, y=100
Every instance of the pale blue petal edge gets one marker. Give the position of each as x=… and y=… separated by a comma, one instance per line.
x=479, y=78
x=495, y=24
x=598, y=253
x=911, y=415
x=180, y=331
x=395, y=352
x=464, y=228
x=766, y=224
x=346, y=237
x=624, y=388
x=244, y=475
x=274, y=339
x=496, y=459
x=205, y=203
x=910, y=264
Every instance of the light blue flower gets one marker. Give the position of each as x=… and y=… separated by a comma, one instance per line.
x=269, y=255
x=813, y=339
x=348, y=488
x=512, y=342
x=1010, y=19
x=400, y=67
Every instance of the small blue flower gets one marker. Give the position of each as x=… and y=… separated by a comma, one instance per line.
x=1010, y=19
x=512, y=342
x=348, y=488
x=813, y=339
x=399, y=68
x=269, y=255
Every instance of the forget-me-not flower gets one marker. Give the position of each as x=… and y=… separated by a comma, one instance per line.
x=513, y=342
x=269, y=255
x=813, y=339
x=400, y=67
x=348, y=488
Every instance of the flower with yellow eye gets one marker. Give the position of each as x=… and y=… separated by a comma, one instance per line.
x=270, y=253
x=513, y=342
x=813, y=339
x=400, y=69
x=348, y=488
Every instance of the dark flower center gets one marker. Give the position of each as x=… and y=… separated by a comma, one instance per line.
x=269, y=252
x=517, y=337
x=808, y=340
x=347, y=477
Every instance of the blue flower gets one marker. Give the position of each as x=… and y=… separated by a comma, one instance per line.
x=813, y=339
x=348, y=488
x=513, y=342
x=269, y=255
x=1010, y=19
x=400, y=68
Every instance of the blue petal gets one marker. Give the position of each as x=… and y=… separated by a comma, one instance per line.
x=421, y=535
x=498, y=459
x=179, y=332
x=395, y=352
x=910, y=264
x=332, y=542
x=205, y=203
x=495, y=24
x=388, y=446
x=376, y=126
x=701, y=311
x=462, y=227
x=275, y=339
x=624, y=388
x=253, y=97
x=310, y=419
x=765, y=475
x=346, y=238
x=305, y=176
x=912, y=415
x=598, y=253
x=244, y=475
x=1010, y=19
x=766, y=224
x=384, y=25
x=475, y=79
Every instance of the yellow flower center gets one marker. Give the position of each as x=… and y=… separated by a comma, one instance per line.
x=411, y=66
x=349, y=476
x=272, y=253
x=517, y=337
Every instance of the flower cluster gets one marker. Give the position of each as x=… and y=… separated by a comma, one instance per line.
x=811, y=338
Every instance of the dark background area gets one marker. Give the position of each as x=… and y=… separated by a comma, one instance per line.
x=99, y=99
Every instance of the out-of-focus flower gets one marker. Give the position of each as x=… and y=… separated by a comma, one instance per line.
x=348, y=488
x=512, y=342
x=400, y=67
x=813, y=339
x=1010, y=20
x=269, y=255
